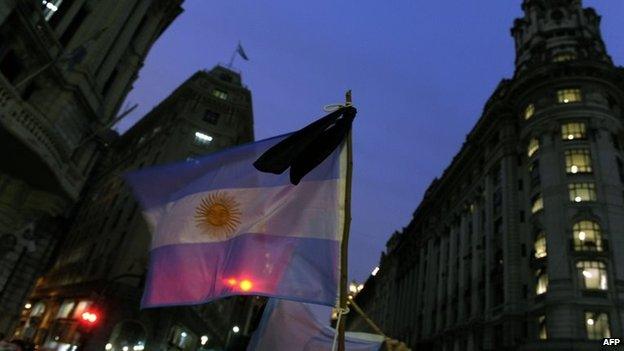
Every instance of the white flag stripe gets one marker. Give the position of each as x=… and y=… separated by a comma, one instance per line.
x=310, y=209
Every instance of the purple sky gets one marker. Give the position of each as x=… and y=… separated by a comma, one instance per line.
x=420, y=73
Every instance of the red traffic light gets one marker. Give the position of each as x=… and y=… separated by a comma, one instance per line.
x=89, y=317
x=244, y=284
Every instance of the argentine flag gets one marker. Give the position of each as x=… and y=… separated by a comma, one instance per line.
x=221, y=227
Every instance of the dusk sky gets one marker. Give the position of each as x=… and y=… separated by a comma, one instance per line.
x=420, y=72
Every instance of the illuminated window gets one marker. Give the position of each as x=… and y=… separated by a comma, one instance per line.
x=587, y=236
x=567, y=96
x=529, y=111
x=572, y=131
x=580, y=192
x=540, y=245
x=578, y=161
x=81, y=308
x=537, y=204
x=50, y=7
x=38, y=309
x=592, y=274
x=66, y=308
x=541, y=323
x=220, y=94
x=542, y=281
x=202, y=138
x=533, y=147
x=534, y=172
x=564, y=56
x=597, y=325
x=181, y=338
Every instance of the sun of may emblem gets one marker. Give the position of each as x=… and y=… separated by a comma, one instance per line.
x=218, y=214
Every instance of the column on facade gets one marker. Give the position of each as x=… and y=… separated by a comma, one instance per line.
x=553, y=220
x=610, y=183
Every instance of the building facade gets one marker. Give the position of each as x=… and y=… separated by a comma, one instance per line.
x=65, y=68
x=519, y=245
x=102, y=264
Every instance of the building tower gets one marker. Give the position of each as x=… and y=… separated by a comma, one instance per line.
x=65, y=68
x=102, y=263
x=517, y=245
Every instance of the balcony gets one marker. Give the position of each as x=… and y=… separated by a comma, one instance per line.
x=37, y=151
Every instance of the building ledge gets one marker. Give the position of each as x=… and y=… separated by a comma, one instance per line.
x=38, y=135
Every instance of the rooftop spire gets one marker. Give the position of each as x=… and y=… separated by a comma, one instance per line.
x=556, y=31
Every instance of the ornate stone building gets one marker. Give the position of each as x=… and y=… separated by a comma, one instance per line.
x=65, y=68
x=102, y=262
x=519, y=245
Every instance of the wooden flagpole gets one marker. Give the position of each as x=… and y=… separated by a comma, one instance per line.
x=344, y=247
x=367, y=319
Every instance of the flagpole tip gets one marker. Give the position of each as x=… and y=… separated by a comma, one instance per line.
x=348, y=99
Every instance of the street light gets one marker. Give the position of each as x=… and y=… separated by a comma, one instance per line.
x=235, y=329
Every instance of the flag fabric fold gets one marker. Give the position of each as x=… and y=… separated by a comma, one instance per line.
x=290, y=325
x=221, y=227
x=305, y=149
x=241, y=52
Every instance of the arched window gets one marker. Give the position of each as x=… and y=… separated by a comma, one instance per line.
x=529, y=111
x=533, y=146
x=38, y=309
x=542, y=281
x=537, y=203
x=540, y=245
x=587, y=236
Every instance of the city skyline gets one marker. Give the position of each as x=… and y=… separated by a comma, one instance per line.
x=409, y=76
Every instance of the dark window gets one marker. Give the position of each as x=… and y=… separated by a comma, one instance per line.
x=534, y=173
x=211, y=117
x=483, y=219
x=521, y=216
x=498, y=227
x=616, y=141
x=620, y=167
x=525, y=291
x=29, y=90
x=520, y=185
x=497, y=201
x=11, y=66
x=499, y=292
x=557, y=15
x=612, y=102
x=73, y=26
x=496, y=175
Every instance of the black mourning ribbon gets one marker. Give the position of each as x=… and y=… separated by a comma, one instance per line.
x=308, y=147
